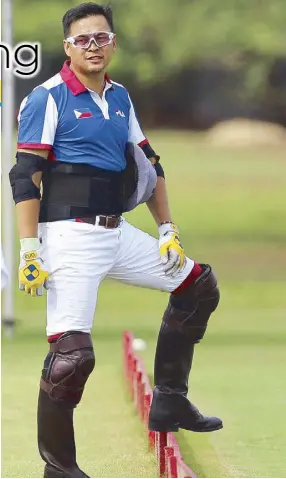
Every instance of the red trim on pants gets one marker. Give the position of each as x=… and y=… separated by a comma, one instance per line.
x=194, y=274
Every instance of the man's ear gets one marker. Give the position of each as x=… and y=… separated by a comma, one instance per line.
x=66, y=48
x=114, y=43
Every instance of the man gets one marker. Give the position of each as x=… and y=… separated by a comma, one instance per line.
x=78, y=138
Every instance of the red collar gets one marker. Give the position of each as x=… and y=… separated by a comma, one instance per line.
x=71, y=80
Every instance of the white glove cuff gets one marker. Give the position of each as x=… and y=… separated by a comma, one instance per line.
x=30, y=244
x=167, y=227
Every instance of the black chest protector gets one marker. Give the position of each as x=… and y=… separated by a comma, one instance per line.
x=77, y=190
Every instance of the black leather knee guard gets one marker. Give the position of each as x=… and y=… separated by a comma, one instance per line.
x=67, y=366
x=190, y=309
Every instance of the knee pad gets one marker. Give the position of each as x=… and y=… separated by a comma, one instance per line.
x=67, y=367
x=190, y=309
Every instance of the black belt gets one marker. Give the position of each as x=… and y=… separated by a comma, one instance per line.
x=108, y=222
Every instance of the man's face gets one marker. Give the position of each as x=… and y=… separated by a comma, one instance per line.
x=92, y=59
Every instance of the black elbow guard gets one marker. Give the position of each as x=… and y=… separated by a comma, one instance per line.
x=23, y=187
x=149, y=152
x=159, y=170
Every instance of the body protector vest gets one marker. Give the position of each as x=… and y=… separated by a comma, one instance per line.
x=72, y=190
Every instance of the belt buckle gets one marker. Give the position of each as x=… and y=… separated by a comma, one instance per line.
x=110, y=222
x=115, y=221
x=106, y=221
x=107, y=218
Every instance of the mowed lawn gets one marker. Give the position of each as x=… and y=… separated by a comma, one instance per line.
x=230, y=207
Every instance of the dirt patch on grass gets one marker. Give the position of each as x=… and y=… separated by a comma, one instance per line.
x=246, y=133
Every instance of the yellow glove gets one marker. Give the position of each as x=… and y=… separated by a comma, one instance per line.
x=32, y=272
x=171, y=251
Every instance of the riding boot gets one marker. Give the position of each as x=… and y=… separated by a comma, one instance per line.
x=184, y=324
x=56, y=438
x=66, y=369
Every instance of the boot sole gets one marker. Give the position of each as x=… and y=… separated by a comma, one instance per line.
x=157, y=426
x=161, y=427
x=210, y=429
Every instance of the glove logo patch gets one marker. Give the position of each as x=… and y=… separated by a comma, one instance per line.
x=30, y=256
x=31, y=272
x=174, y=228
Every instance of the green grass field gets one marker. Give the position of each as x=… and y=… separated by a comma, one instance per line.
x=230, y=206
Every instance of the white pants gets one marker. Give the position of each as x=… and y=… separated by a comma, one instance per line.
x=79, y=256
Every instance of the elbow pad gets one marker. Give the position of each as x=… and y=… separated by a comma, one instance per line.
x=159, y=170
x=23, y=187
x=149, y=152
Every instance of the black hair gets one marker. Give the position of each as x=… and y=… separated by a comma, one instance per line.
x=86, y=10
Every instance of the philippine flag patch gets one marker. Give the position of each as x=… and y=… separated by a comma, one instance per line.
x=82, y=113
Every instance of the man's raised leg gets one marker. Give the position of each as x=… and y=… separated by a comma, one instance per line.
x=184, y=324
x=194, y=296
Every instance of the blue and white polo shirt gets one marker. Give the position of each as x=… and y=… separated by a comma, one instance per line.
x=77, y=125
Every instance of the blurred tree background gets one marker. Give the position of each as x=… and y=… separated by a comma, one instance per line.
x=217, y=59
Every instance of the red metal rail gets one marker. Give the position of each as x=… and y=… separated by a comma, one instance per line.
x=169, y=458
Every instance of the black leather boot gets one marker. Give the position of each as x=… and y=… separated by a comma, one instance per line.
x=184, y=324
x=56, y=438
x=66, y=369
x=171, y=411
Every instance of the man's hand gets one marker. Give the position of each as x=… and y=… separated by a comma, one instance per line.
x=171, y=251
x=32, y=272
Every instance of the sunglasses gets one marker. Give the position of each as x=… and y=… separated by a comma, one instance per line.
x=101, y=39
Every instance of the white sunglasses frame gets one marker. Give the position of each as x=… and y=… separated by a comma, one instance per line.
x=71, y=40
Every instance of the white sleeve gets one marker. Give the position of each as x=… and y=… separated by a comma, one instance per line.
x=38, y=118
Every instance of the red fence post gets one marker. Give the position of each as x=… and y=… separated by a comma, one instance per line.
x=130, y=365
x=160, y=444
x=169, y=452
x=173, y=466
x=151, y=438
x=134, y=380
x=147, y=403
x=139, y=392
x=142, y=394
